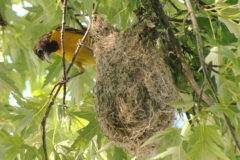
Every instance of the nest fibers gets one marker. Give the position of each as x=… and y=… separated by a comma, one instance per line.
x=133, y=86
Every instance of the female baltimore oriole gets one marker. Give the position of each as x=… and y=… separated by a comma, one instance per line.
x=51, y=42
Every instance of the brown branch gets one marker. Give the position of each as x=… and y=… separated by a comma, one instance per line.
x=210, y=67
x=200, y=96
x=201, y=57
x=55, y=86
x=232, y=130
x=71, y=77
x=189, y=118
x=183, y=24
x=188, y=50
x=79, y=23
x=199, y=47
x=80, y=44
x=3, y=23
x=174, y=6
x=202, y=5
x=43, y=123
x=64, y=6
x=76, y=15
x=158, y=9
x=60, y=84
x=194, y=98
x=177, y=20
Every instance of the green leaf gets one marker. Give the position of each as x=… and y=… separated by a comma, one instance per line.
x=81, y=86
x=232, y=26
x=217, y=151
x=225, y=52
x=177, y=153
x=224, y=109
x=88, y=6
x=203, y=143
x=217, y=108
x=89, y=131
x=186, y=102
x=54, y=71
x=8, y=83
x=170, y=136
x=119, y=154
x=25, y=121
x=86, y=134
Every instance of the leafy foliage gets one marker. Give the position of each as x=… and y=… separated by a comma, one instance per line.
x=72, y=130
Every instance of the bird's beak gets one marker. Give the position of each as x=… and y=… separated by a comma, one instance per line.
x=46, y=57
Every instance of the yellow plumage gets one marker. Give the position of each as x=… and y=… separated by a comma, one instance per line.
x=51, y=42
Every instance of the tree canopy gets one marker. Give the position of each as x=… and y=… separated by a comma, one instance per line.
x=202, y=130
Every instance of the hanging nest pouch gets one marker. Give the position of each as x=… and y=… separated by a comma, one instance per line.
x=133, y=85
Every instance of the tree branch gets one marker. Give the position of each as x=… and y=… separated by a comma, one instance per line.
x=3, y=23
x=183, y=24
x=63, y=49
x=201, y=57
x=43, y=123
x=189, y=118
x=60, y=84
x=79, y=23
x=177, y=20
x=174, y=6
x=232, y=130
x=199, y=47
x=80, y=44
x=158, y=9
x=200, y=96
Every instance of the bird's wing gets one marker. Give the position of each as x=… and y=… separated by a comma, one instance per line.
x=71, y=30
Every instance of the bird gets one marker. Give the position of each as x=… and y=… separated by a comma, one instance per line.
x=51, y=43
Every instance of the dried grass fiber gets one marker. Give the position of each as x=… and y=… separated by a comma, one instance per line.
x=133, y=85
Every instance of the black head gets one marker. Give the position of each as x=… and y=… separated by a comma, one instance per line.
x=43, y=47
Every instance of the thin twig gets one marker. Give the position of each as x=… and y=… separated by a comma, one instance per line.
x=189, y=118
x=232, y=130
x=61, y=81
x=174, y=6
x=80, y=44
x=55, y=86
x=59, y=84
x=199, y=47
x=210, y=67
x=200, y=96
x=3, y=23
x=183, y=24
x=79, y=23
x=63, y=49
x=76, y=15
x=177, y=20
x=43, y=123
x=86, y=45
x=194, y=98
x=71, y=77
x=188, y=50
x=158, y=9
x=201, y=57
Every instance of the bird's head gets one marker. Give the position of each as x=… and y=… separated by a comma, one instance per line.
x=43, y=47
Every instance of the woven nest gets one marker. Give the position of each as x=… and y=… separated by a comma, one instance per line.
x=133, y=86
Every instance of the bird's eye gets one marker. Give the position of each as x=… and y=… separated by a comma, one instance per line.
x=40, y=52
